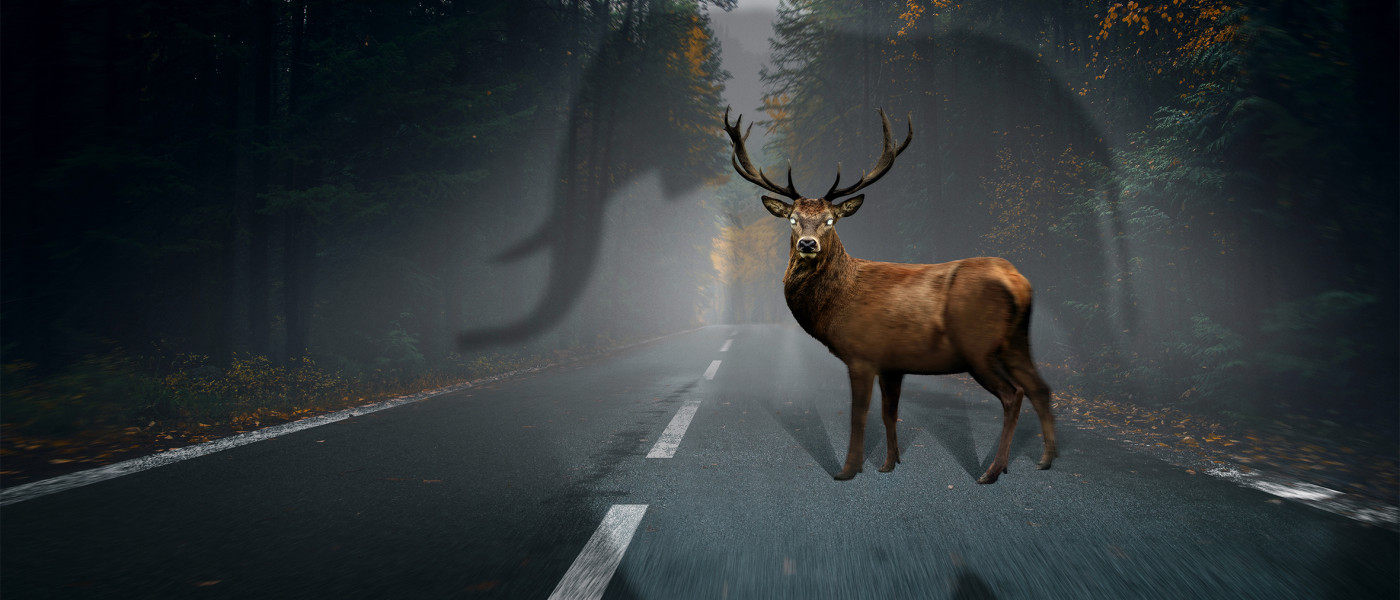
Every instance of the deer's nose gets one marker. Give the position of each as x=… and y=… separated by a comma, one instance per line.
x=807, y=245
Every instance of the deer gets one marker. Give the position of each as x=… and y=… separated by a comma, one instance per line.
x=887, y=320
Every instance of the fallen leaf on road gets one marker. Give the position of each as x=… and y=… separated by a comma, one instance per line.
x=483, y=586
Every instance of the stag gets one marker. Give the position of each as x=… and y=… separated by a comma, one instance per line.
x=887, y=320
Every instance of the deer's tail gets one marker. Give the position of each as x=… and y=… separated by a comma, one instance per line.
x=1019, y=290
x=1021, y=296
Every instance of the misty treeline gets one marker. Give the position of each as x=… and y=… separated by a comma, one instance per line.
x=342, y=181
x=1203, y=192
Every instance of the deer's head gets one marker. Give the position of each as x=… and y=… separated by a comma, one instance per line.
x=813, y=220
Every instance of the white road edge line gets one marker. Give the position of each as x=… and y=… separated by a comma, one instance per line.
x=61, y=483
x=588, y=578
x=671, y=438
x=52, y=485
x=1316, y=496
x=710, y=372
x=725, y=347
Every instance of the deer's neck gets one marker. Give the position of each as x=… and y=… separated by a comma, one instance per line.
x=816, y=287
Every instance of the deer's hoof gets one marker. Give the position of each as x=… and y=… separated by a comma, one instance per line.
x=846, y=474
x=1043, y=465
x=888, y=466
x=992, y=474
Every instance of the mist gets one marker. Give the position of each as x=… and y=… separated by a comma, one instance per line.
x=517, y=224
x=438, y=191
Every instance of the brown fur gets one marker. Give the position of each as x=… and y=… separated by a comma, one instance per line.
x=887, y=320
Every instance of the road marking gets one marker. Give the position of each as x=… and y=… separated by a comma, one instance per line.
x=588, y=578
x=1316, y=496
x=710, y=372
x=29, y=491
x=671, y=438
x=20, y=493
x=725, y=347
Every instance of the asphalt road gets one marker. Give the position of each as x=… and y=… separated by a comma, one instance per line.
x=494, y=492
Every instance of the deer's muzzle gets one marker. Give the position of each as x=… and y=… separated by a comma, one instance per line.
x=808, y=247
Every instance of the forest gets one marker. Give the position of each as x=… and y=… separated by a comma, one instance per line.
x=1204, y=193
x=260, y=204
x=253, y=209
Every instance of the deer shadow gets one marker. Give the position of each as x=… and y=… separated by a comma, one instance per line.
x=805, y=426
x=947, y=418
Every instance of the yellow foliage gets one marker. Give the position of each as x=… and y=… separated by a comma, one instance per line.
x=256, y=381
x=1024, y=180
x=910, y=17
x=748, y=254
x=1193, y=25
x=777, y=110
x=696, y=49
x=1196, y=25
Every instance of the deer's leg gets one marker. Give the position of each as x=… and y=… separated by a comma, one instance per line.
x=994, y=377
x=862, y=380
x=889, y=405
x=1039, y=392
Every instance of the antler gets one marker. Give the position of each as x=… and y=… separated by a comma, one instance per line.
x=745, y=167
x=881, y=167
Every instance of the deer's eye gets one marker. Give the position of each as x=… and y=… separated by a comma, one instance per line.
x=792, y=220
x=830, y=221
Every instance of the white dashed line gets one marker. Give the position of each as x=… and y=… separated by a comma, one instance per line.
x=710, y=372
x=27, y=491
x=588, y=578
x=671, y=438
x=725, y=347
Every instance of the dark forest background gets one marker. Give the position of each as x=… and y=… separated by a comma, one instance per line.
x=269, y=205
x=1204, y=193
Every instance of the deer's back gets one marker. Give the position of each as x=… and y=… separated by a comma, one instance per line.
x=928, y=318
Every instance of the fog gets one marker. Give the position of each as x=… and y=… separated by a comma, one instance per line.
x=1205, y=206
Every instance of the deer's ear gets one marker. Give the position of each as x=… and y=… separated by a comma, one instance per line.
x=779, y=208
x=848, y=206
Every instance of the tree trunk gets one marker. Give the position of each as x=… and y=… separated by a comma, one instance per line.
x=299, y=240
x=259, y=310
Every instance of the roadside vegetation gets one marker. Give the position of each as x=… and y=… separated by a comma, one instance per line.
x=109, y=407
